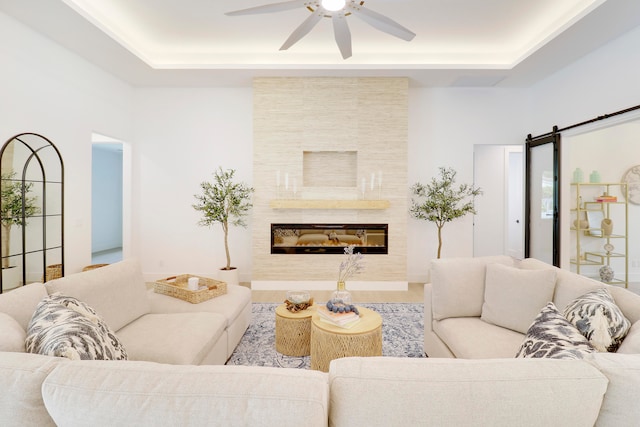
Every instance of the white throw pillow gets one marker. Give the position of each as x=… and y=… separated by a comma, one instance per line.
x=513, y=297
x=458, y=285
x=12, y=335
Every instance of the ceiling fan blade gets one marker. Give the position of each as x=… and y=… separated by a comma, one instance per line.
x=383, y=23
x=269, y=8
x=302, y=30
x=342, y=34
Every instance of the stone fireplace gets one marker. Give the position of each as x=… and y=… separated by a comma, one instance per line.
x=330, y=152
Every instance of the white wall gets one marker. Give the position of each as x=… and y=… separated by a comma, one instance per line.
x=444, y=125
x=181, y=137
x=48, y=90
x=602, y=82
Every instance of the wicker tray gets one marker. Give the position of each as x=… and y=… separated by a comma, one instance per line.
x=176, y=286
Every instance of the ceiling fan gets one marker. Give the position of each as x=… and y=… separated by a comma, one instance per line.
x=337, y=10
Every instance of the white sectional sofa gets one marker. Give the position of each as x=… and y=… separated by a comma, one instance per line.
x=152, y=327
x=170, y=385
x=374, y=391
x=466, y=307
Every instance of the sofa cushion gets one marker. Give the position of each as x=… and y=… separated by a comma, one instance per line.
x=458, y=285
x=12, y=335
x=21, y=302
x=21, y=378
x=631, y=343
x=552, y=336
x=152, y=394
x=599, y=319
x=174, y=338
x=471, y=338
x=385, y=391
x=619, y=407
x=65, y=327
x=117, y=292
x=570, y=286
x=627, y=301
x=513, y=297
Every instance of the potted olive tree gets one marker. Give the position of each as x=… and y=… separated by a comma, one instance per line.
x=226, y=202
x=11, y=205
x=441, y=201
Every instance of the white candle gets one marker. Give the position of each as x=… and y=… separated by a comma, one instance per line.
x=286, y=180
x=379, y=179
x=373, y=180
x=278, y=179
x=364, y=185
x=295, y=186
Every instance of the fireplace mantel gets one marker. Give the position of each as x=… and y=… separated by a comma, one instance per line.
x=328, y=204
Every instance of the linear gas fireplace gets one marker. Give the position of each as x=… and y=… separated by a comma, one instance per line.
x=328, y=238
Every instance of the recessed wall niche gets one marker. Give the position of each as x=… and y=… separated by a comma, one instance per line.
x=329, y=134
x=330, y=168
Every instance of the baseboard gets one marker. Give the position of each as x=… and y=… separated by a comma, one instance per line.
x=327, y=285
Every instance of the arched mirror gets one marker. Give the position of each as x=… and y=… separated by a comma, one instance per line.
x=31, y=211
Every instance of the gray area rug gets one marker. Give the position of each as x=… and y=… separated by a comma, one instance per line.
x=402, y=335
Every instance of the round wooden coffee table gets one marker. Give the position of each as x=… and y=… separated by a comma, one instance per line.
x=330, y=342
x=293, y=331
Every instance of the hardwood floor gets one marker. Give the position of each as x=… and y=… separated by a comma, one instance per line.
x=414, y=294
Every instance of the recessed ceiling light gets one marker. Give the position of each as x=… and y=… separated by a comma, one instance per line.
x=333, y=5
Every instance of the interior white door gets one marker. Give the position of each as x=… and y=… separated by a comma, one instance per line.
x=498, y=226
x=514, y=173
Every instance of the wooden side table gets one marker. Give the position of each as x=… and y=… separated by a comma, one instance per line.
x=293, y=331
x=330, y=342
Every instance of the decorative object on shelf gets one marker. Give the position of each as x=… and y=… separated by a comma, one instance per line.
x=606, y=273
x=440, y=202
x=226, y=202
x=581, y=224
x=578, y=176
x=608, y=247
x=595, y=218
x=607, y=226
x=606, y=198
x=351, y=266
x=594, y=178
x=632, y=178
x=298, y=300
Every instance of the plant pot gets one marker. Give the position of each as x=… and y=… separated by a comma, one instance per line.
x=11, y=277
x=229, y=276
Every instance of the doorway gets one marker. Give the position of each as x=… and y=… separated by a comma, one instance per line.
x=498, y=225
x=108, y=202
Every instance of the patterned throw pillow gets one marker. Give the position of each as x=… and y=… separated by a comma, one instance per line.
x=552, y=336
x=65, y=327
x=598, y=318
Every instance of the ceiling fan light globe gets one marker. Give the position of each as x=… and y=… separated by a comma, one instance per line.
x=333, y=5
